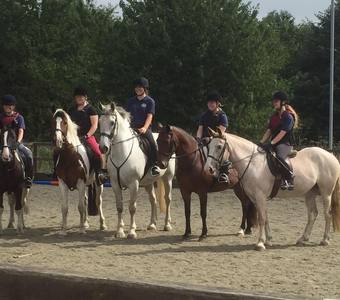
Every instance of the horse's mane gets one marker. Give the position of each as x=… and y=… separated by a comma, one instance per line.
x=126, y=115
x=182, y=131
x=72, y=128
x=239, y=138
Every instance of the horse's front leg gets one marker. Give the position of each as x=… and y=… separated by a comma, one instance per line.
x=11, y=203
x=187, y=210
x=261, y=206
x=203, y=203
x=64, y=206
x=119, y=205
x=99, y=201
x=19, y=210
x=168, y=189
x=153, y=201
x=81, y=205
x=1, y=210
x=132, y=208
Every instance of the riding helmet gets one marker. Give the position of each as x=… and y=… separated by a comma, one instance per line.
x=80, y=91
x=142, y=81
x=280, y=96
x=8, y=100
x=214, y=96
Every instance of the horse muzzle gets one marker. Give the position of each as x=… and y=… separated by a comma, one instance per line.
x=103, y=149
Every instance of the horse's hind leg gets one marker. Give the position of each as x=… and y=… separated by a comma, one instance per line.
x=11, y=202
x=328, y=218
x=312, y=213
x=19, y=210
x=64, y=206
x=168, y=188
x=81, y=205
x=99, y=201
x=187, y=209
x=203, y=204
x=119, y=205
x=153, y=201
x=132, y=208
x=1, y=210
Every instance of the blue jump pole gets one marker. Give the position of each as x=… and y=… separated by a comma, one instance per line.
x=56, y=183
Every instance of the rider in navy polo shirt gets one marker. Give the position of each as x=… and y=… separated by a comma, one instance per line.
x=142, y=110
x=214, y=118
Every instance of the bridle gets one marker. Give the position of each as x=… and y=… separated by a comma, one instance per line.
x=219, y=160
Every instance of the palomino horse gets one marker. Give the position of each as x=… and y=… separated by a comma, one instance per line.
x=316, y=171
x=12, y=179
x=74, y=171
x=192, y=178
x=127, y=168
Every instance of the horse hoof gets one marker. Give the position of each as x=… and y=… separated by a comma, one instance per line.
x=186, y=236
x=260, y=247
x=20, y=230
x=268, y=243
x=86, y=225
x=132, y=235
x=324, y=243
x=241, y=233
x=248, y=232
x=62, y=233
x=152, y=227
x=202, y=237
x=103, y=227
x=11, y=226
x=82, y=230
x=120, y=235
x=301, y=242
x=1, y=232
x=167, y=227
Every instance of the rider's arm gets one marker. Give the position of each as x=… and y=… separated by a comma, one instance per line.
x=20, y=134
x=147, y=123
x=199, y=133
x=266, y=136
x=279, y=137
x=94, y=125
x=21, y=124
x=223, y=123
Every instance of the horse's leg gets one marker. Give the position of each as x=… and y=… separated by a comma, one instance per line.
x=328, y=218
x=240, y=195
x=261, y=206
x=187, y=208
x=132, y=208
x=1, y=210
x=64, y=206
x=19, y=210
x=99, y=201
x=168, y=188
x=203, y=204
x=81, y=205
x=86, y=224
x=268, y=231
x=312, y=213
x=153, y=201
x=119, y=205
x=11, y=202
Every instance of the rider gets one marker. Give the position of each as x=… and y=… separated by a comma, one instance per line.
x=142, y=109
x=10, y=116
x=86, y=117
x=279, y=135
x=214, y=118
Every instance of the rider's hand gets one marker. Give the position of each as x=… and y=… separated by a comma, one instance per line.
x=267, y=147
x=142, y=130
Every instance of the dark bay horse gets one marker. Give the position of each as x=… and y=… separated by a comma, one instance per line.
x=192, y=178
x=12, y=178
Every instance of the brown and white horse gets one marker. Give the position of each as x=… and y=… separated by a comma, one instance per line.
x=12, y=178
x=74, y=172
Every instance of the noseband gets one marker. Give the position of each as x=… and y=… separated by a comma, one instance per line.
x=219, y=160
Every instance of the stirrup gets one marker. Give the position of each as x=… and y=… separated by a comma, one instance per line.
x=155, y=171
x=28, y=182
x=101, y=177
x=284, y=185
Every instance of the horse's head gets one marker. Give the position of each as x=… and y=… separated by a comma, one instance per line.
x=59, y=126
x=166, y=145
x=218, y=151
x=113, y=116
x=8, y=142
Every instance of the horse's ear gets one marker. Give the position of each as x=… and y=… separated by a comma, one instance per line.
x=219, y=131
x=212, y=133
x=101, y=106
x=159, y=126
x=168, y=128
x=113, y=106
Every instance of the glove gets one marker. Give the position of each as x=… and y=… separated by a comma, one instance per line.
x=267, y=147
x=83, y=139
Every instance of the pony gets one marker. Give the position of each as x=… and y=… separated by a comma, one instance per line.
x=73, y=169
x=317, y=173
x=127, y=168
x=192, y=178
x=12, y=179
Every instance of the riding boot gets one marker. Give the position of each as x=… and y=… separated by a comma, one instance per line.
x=287, y=175
x=101, y=173
x=155, y=169
x=29, y=174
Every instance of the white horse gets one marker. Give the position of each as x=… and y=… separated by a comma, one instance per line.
x=74, y=171
x=317, y=173
x=126, y=164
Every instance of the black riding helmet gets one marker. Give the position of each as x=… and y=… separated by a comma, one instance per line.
x=80, y=91
x=8, y=100
x=142, y=81
x=280, y=96
x=214, y=96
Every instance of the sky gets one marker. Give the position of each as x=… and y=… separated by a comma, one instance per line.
x=300, y=9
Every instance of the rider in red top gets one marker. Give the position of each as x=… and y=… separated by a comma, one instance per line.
x=86, y=117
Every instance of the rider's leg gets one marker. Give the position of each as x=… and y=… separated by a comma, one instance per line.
x=28, y=161
x=100, y=164
x=155, y=170
x=282, y=151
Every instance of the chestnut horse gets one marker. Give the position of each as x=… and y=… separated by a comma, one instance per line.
x=192, y=178
x=12, y=178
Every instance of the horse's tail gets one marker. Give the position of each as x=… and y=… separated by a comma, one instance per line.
x=161, y=195
x=336, y=206
x=92, y=208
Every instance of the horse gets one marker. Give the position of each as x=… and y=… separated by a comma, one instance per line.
x=12, y=179
x=192, y=178
x=127, y=168
x=74, y=171
x=317, y=173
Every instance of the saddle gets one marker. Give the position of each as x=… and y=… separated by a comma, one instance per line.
x=277, y=169
x=92, y=157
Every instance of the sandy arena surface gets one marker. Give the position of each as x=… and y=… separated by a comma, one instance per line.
x=223, y=260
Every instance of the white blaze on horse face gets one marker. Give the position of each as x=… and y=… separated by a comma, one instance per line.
x=216, y=147
x=58, y=132
x=106, y=126
x=5, y=150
